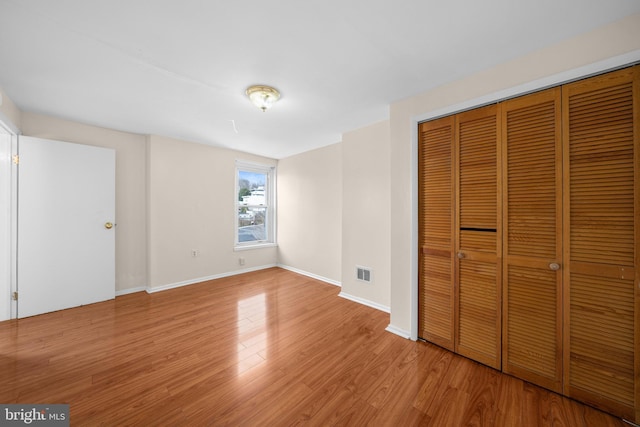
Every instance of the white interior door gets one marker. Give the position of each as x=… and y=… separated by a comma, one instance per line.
x=66, y=201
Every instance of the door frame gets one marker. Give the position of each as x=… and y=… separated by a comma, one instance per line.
x=8, y=220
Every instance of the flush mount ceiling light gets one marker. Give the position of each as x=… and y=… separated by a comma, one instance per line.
x=263, y=96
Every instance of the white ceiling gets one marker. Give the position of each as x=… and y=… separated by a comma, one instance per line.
x=180, y=68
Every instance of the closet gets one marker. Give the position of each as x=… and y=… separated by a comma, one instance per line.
x=529, y=228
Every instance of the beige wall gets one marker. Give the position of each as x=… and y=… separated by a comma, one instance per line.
x=9, y=112
x=131, y=250
x=365, y=213
x=171, y=197
x=310, y=212
x=609, y=46
x=191, y=193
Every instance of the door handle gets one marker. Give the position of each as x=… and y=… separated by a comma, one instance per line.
x=554, y=266
x=108, y=225
x=460, y=255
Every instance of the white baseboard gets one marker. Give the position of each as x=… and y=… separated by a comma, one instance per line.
x=365, y=302
x=398, y=331
x=166, y=287
x=359, y=300
x=313, y=276
x=130, y=291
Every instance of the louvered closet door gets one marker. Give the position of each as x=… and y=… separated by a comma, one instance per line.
x=532, y=243
x=478, y=270
x=436, y=295
x=601, y=240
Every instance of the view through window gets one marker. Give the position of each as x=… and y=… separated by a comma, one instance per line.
x=254, y=204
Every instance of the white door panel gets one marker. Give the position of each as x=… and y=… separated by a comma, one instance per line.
x=66, y=255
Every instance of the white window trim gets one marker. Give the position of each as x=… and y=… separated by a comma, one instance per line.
x=270, y=194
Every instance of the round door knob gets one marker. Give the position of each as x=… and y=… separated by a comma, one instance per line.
x=554, y=266
x=460, y=255
x=108, y=225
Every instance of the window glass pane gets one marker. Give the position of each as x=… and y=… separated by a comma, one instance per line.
x=251, y=225
x=252, y=206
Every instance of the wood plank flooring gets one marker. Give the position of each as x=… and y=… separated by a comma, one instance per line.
x=268, y=348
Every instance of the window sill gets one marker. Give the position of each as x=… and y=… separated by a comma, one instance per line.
x=254, y=246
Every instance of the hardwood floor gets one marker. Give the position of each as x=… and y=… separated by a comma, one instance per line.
x=268, y=348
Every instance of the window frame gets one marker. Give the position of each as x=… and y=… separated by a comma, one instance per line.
x=270, y=200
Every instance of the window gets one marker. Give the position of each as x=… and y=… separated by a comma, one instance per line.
x=255, y=205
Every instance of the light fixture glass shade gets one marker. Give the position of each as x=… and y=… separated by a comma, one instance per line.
x=262, y=96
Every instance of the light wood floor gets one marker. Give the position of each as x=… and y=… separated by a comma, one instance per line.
x=269, y=348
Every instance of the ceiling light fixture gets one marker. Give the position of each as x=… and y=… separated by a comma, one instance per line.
x=263, y=96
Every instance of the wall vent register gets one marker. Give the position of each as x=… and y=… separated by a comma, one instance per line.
x=363, y=274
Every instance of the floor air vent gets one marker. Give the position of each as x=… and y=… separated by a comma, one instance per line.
x=363, y=273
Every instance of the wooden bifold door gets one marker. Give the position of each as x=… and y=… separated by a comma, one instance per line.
x=600, y=239
x=477, y=236
x=532, y=250
x=436, y=296
x=529, y=231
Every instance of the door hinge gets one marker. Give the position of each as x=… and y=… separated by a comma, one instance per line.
x=16, y=159
x=14, y=296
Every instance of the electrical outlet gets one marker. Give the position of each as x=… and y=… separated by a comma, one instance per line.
x=241, y=261
x=195, y=252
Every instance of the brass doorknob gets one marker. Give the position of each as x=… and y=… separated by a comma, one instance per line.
x=108, y=225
